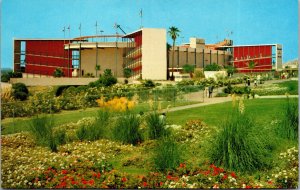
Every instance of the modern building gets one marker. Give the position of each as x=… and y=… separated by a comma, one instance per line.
x=198, y=54
x=143, y=51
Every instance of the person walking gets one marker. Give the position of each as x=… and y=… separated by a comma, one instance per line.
x=210, y=91
x=248, y=81
x=255, y=82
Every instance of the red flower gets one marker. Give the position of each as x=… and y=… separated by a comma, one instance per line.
x=248, y=187
x=84, y=181
x=74, y=182
x=64, y=171
x=182, y=165
x=62, y=184
x=91, y=182
x=270, y=182
x=233, y=175
x=206, y=172
x=98, y=175
x=145, y=184
x=225, y=177
x=169, y=177
x=161, y=183
x=124, y=179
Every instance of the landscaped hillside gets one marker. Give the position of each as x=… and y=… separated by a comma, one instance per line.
x=129, y=136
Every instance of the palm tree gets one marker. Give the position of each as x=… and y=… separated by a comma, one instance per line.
x=174, y=33
x=251, y=65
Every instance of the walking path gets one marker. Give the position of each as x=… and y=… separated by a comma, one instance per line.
x=216, y=100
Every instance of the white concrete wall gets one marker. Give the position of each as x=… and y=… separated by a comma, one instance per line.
x=106, y=59
x=52, y=81
x=154, y=54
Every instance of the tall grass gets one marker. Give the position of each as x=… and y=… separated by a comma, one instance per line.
x=98, y=129
x=155, y=125
x=127, y=129
x=167, y=154
x=237, y=147
x=41, y=127
x=288, y=126
x=95, y=130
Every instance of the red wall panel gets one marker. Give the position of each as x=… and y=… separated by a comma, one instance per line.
x=44, y=56
x=260, y=54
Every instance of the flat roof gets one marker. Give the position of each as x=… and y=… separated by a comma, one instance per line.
x=251, y=45
x=140, y=30
x=43, y=39
x=128, y=35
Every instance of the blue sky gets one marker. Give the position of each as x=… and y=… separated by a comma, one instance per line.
x=251, y=21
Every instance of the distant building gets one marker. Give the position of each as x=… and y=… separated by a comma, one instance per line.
x=143, y=51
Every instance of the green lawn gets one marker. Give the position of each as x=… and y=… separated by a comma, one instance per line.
x=263, y=110
x=15, y=125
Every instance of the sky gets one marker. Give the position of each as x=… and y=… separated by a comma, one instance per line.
x=244, y=21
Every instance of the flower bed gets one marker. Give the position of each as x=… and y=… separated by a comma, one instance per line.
x=85, y=165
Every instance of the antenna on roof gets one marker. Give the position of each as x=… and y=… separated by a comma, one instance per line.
x=80, y=29
x=69, y=28
x=64, y=31
x=141, y=15
x=96, y=25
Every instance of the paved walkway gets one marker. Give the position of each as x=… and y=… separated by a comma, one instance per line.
x=198, y=96
x=207, y=101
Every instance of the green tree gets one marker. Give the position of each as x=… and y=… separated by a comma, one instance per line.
x=188, y=69
x=174, y=33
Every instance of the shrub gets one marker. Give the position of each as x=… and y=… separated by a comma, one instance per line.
x=221, y=94
x=148, y=83
x=20, y=91
x=59, y=90
x=107, y=79
x=198, y=74
x=116, y=104
x=44, y=102
x=288, y=127
x=5, y=76
x=167, y=93
x=212, y=67
x=127, y=72
x=127, y=130
x=167, y=154
x=237, y=147
x=156, y=125
x=58, y=72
